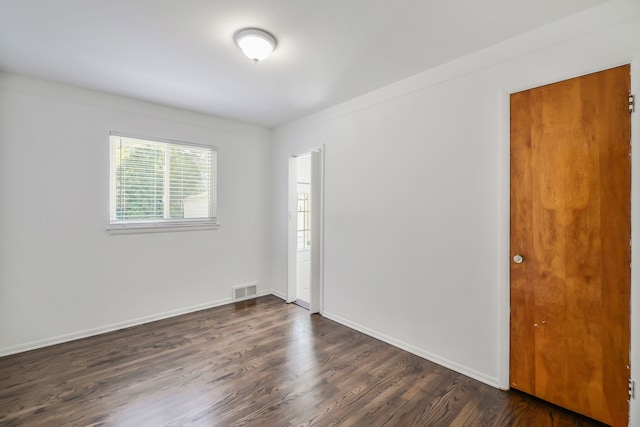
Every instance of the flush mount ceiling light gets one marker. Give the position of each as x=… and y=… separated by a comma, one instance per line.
x=256, y=44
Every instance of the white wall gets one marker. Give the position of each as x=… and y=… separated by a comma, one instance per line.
x=416, y=247
x=62, y=275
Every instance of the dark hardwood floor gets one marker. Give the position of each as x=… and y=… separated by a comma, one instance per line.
x=262, y=363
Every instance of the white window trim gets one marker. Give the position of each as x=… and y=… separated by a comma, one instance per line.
x=146, y=227
x=163, y=226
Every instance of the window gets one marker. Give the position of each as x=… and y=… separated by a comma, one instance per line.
x=161, y=184
x=303, y=232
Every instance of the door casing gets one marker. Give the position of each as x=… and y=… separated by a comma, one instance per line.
x=583, y=202
x=317, y=222
x=504, y=221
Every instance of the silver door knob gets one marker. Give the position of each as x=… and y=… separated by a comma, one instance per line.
x=518, y=259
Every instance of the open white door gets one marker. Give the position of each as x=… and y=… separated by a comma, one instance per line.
x=314, y=251
x=291, y=231
x=316, y=232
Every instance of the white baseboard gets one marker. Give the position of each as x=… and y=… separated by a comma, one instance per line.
x=461, y=369
x=277, y=293
x=33, y=345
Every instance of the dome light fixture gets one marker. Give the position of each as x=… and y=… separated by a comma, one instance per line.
x=255, y=43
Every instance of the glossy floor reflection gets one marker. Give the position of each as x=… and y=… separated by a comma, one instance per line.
x=262, y=363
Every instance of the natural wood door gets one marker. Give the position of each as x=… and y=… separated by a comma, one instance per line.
x=570, y=222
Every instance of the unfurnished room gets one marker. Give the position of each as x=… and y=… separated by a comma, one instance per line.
x=319, y=213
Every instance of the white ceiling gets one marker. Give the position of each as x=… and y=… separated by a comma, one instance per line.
x=181, y=52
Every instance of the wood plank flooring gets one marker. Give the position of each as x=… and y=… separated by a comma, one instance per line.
x=257, y=363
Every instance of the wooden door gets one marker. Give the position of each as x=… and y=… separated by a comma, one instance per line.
x=570, y=223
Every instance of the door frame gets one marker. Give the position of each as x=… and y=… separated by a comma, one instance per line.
x=317, y=228
x=504, y=213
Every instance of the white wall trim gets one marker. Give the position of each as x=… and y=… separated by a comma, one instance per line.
x=317, y=250
x=275, y=293
x=291, y=229
x=322, y=218
x=33, y=345
x=457, y=367
x=46, y=342
x=504, y=238
x=634, y=405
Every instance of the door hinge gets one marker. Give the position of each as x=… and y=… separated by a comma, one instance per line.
x=632, y=389
x=632, y=103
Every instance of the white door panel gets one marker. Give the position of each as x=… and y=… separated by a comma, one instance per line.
x=303, y=275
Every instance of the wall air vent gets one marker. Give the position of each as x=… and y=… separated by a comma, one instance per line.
x=243, y=292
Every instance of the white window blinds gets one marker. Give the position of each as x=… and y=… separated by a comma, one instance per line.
x=161, y=183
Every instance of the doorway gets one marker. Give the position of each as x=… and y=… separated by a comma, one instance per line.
x=305, y=230
x=570, y=244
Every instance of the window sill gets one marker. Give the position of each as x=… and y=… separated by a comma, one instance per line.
x=159, y=228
